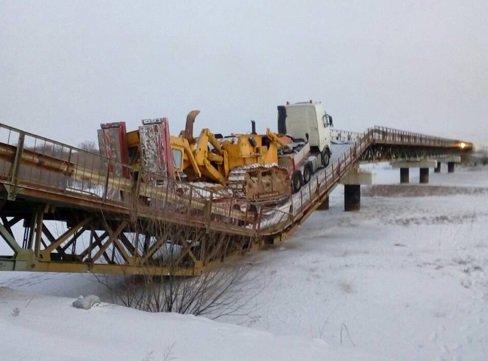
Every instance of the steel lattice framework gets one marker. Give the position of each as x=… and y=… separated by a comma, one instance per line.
x=116, y=220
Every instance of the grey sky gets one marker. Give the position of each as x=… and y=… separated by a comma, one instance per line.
x=66, y=66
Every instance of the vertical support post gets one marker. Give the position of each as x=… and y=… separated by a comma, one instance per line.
x=190, y=200
x=92, y=233
x=424, y=175
x=38, y=238
x=437, y=168
x=167, y=193
x=450, y=167
x=404, y=175
x=31, y=227
x=208, y=211
x=14, y=171
x=352, y=197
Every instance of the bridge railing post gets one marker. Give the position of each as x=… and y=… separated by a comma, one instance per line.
x=14, y=170
x=166, y=195
x=190, y=199
x=209, y=210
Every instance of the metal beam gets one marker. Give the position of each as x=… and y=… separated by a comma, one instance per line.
x=110, y=240
x=70, y=232
x=9, y=238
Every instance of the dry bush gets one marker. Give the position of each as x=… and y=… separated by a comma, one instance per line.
x=164, y=249
x=222, y=292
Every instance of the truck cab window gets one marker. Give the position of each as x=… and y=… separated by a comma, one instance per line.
x=325, y=119
x=328, y=122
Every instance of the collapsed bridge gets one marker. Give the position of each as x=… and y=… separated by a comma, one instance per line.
x=64, y=209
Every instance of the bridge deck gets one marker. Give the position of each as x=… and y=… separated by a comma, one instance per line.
x=119, y=221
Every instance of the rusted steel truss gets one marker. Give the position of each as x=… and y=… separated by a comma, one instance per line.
x=64, y=209
x=101, y=243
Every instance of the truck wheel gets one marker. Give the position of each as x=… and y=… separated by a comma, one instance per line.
x=325, y=157
x=307, y=173
x=297, y=181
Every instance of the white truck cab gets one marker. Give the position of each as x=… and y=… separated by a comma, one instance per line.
x=308, y=125
x=308, y=121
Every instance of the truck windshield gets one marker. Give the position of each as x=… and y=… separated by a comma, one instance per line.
x=325, y=119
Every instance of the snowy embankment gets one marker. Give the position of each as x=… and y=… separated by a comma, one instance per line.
x=403, y=279
x=38, y=327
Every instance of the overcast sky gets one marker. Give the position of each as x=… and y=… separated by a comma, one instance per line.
x=67, y=66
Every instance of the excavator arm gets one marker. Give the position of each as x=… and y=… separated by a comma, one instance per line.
x=204, y=158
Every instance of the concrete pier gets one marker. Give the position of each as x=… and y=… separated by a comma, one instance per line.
x=404, y=175
x=424, y=175
x=352, y=197
x=352, y=188
x=422, y=164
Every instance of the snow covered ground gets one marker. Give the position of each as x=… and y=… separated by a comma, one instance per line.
x=403, y=279
x=34, y=327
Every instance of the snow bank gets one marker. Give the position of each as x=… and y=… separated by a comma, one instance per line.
x=403, y=279
x=35, y=327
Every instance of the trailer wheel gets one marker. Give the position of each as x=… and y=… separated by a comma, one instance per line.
x=297, y=181
x=325, y=157
x=307, y=173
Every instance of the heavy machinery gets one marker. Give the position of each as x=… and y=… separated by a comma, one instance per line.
x=248, y=161
x=308, y=138
x=259, y=168
x=247, y=164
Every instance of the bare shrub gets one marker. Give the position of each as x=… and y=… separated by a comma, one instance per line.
x=165, y=252
x=217, y=293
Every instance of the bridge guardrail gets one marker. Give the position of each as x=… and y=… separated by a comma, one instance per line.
x=36, y=163
x=316, y=190
x=340, y=135
x=391, y=135
x=31, y=162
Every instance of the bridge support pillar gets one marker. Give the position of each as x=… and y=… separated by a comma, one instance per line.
x=424, y=166
x=352, y=188
x=450, y=167
x=424, y=175
x=324, y=206
x=352, y=197
x=437, y=168
x=404, y=175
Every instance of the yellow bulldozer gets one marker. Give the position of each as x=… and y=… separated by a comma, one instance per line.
x=245, y=163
